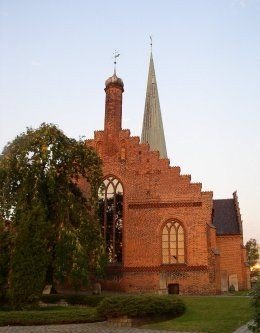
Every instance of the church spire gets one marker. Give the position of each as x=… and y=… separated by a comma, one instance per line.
x=152, y=132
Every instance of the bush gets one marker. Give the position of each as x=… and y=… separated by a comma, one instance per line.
x=4, y=260
x=255, y=293
x=231, y=289
x=88, y=300
x=140, y=306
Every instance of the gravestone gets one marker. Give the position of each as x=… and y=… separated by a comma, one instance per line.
x=233, y=281
x=96, y=289
x=47, y=289
x=224, y=280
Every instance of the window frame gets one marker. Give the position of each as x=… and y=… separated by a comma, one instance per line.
x=173, y=249
x=105, y=192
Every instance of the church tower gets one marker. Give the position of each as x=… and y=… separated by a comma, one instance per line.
x=152, y=132
x=113, y=112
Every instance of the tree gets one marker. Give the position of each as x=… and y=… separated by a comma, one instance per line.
x=54, y=225
x=30, y=255
x=4, y=258
x=255, y=294
x=252, y=252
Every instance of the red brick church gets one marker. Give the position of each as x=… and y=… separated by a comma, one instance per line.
x=163, y=234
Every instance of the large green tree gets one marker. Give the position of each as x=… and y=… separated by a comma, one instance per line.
x=4, y=258
x=54, y=226
x=252, y=252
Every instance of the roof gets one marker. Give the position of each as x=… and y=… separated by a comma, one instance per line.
x=225, y=217
x=152, y=132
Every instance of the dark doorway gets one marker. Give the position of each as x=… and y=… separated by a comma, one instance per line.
x=173, y=288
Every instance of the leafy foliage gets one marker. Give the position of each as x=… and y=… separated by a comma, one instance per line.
x=255, y=293
x=30, y=256
x=140, y=306
x=4, y=258
x=53, y=223
x=90, y=300
x=231, y=289
x=252, y=252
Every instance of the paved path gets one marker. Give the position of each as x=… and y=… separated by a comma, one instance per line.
x=88, y=328
x=242, y=329
x=77, y=328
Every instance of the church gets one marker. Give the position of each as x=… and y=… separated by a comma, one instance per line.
x=163, y=234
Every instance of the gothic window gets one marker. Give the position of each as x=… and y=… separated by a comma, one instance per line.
x=173, y=243
x=110, y=196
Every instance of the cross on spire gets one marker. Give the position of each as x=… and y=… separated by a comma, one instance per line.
x=116, y=55
x=151, y=42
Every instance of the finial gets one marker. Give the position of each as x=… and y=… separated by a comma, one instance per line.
x=116, y=55
x=151, y=42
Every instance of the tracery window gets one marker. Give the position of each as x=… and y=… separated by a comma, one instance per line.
x=173, y=250
x=110, y=196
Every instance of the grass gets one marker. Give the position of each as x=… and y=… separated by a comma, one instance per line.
x=209, y=314
x=50, y=315
x=203, y=314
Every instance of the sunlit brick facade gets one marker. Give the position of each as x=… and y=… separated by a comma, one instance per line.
x=158, y=225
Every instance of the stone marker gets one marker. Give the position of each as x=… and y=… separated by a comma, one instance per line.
x=233, y=281
x=47, y=289
x=96, y=289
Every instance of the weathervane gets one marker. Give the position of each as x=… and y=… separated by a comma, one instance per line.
x=151, y=42
x=116, y=55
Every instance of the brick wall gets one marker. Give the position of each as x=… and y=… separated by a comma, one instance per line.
x=232, y=258
x=155, y=193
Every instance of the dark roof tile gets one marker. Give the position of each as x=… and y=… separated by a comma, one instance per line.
x=225, y=217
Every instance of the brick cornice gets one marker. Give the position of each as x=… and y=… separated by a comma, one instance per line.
x=174, y=204
x=161, y=268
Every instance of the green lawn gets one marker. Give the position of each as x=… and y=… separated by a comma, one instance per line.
x=209, y=314
x=203, y=314
x=49, y=315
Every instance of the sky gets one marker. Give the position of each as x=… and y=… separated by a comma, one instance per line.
x=56, y=54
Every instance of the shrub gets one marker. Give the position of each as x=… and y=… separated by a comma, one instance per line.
x=140, y=306
x=4, y=260
x=255, y=327
x=231, y=289
x=88, y=300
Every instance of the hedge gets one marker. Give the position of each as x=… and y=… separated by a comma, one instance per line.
x=140, y=306
x=89, y=300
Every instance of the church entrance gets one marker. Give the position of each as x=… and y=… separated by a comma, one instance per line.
x=173, y=288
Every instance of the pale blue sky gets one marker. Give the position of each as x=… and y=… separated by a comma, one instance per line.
x=56, y=54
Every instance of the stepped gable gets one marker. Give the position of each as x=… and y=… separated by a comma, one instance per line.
x=225, y=217
x=142, y=161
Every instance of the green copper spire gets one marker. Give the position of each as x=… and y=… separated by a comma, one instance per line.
x=152, y=132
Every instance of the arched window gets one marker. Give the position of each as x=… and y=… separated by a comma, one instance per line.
x=173, y=251
x=110, y=196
